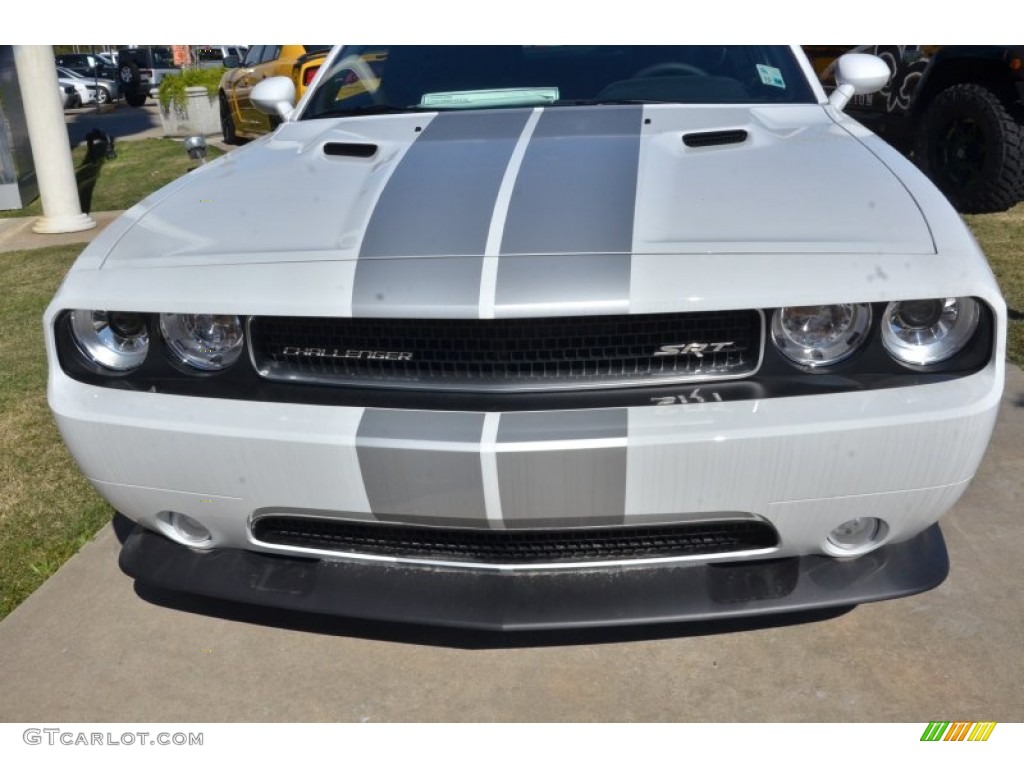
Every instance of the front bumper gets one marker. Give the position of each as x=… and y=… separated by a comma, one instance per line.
x=802, y=464
x=539, y=600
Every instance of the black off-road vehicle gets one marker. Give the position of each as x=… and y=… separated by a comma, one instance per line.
x=957, y=110
x=141, y=69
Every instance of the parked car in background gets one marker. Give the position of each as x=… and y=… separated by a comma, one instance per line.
x=104, y=90
x=140, y=71
x=523, y=337
x=239, y=118
x=208, y=56
x=88, y=64
x=957, y=110
x=83, y=94
x=68, y=95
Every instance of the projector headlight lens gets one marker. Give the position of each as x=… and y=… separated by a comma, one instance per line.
x=204, y=342
x=116, y=341
x=820, y=335
x=923, y=332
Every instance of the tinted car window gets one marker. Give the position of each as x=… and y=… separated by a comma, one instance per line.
x=252, y=56
x=163, y=58
x=210, y=54
x=461, y=77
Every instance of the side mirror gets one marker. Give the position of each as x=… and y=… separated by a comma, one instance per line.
x=231, y=62
x=274, y=96
x=858, y=73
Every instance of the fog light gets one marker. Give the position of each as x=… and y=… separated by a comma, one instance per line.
x=189, y=530
x=856, y=535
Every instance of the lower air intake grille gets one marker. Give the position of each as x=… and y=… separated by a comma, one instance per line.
x=508, y=354
x=492, y=547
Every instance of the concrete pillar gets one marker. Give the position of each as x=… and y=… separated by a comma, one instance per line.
x=51, y=149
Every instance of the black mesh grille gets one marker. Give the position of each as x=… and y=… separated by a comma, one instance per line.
x=530, y=353
x=493, y=547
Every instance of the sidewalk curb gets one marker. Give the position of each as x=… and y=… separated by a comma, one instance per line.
x=16, y=234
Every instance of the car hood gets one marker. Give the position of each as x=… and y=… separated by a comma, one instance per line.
x=545, y=181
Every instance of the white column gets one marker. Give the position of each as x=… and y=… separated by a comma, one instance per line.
x=48, y=134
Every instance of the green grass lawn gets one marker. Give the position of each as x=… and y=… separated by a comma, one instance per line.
x=48, y=510
x=1002, y=237
x=140, y=168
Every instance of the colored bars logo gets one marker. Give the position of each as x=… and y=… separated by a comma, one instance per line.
x=957, y=731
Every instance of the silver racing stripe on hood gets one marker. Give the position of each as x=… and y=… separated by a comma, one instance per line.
x=437, y=203
x=573, y=192
x=439, y=199
x=569, y=228
x=576, y=188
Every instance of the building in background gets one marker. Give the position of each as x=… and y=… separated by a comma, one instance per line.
x=18, y=183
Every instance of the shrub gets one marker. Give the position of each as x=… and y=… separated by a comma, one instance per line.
x=172, y=87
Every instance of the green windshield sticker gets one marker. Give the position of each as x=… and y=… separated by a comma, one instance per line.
x=498, y=97
x=771, y=76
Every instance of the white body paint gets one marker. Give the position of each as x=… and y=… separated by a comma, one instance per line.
x=812, y=209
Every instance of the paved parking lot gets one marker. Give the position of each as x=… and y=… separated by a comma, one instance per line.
x=118, y=120
x=88, y=647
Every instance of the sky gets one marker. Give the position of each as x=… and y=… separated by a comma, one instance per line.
x=524, y=21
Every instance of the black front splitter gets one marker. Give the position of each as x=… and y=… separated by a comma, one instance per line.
x=528, y=600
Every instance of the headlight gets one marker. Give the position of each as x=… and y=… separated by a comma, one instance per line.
x=205, y=342
x=928, y=331
x=822, y=334
x=117, y=341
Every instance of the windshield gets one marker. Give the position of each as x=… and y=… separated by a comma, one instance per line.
x=377, y=79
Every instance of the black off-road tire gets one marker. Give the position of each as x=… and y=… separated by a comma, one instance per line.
x=129, y=75
x=131, y=84
x=227, y=122
x=973, y=149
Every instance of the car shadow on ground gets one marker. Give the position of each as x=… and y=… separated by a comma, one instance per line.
x=119, y=122
x=454, y=637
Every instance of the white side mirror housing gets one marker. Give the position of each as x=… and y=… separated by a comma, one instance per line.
x=275, y=96
x=858, y=73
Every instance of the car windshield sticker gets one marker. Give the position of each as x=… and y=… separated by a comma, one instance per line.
x=771, y=76
x=498, y=97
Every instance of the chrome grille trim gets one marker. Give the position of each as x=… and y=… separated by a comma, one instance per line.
x=706, y=539
x=506, y=355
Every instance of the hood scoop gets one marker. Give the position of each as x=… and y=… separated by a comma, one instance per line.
x=714, y=138
x=349, y=149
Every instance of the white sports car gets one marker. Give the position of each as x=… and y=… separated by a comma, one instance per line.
x=538, y=336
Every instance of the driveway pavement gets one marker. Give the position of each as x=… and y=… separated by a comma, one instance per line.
x=88, y=646
x=119, y=120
